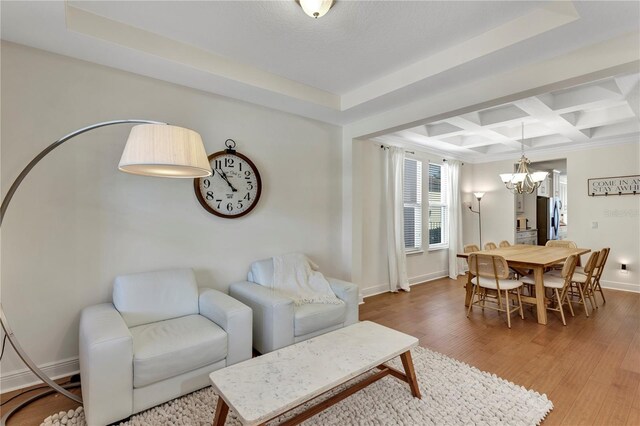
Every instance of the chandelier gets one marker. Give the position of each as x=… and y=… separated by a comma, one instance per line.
x=523, y=181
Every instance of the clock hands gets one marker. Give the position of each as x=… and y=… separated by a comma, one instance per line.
x=223, y=175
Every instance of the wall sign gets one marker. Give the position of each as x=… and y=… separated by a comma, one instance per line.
x=618, y=185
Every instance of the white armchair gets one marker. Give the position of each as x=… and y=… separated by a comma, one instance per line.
x=160, y=339
x=278, y=322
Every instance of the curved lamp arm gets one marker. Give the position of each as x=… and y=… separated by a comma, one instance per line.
x=5, y=204
x=54, y=145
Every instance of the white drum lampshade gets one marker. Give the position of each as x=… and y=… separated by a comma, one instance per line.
x=166, y=151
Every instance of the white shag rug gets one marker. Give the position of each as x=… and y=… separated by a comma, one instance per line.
x=453, y=393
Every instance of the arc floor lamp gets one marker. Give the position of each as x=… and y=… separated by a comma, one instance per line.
x=153, y=149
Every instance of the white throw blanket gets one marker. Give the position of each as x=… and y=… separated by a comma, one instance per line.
x=295, y=276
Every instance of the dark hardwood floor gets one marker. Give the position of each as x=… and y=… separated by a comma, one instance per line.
x=590, y=369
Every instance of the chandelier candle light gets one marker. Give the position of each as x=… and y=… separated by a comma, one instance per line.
x=523, y=181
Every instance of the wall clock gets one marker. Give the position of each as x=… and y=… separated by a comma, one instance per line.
x=235, y=186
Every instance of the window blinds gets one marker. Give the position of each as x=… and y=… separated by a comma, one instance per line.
x=438, y=205
x=412, y=193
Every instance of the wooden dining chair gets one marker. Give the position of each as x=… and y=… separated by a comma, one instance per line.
x=561, y=243
x=597, y=273
x=470, y=248
x=581, y=282
x=559, y=285
x=504, y=243
x=490, y=246
x=490, y=274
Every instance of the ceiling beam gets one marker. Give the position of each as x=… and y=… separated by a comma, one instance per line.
x=477, y=129
x=552, y=119
x=547, y=17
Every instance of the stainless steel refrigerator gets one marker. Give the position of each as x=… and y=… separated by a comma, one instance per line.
x=547, y=219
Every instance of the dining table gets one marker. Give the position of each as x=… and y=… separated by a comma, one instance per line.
x=533, y=258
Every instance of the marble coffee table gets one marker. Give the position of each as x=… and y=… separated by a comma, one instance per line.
x=263, y=388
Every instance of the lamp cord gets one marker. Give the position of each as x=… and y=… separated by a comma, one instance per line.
x=4, y=345
x=43, y=386
x=22, y=393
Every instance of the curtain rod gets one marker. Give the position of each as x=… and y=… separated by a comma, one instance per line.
x=444, y=159
x=386, y=147
x=411, y=152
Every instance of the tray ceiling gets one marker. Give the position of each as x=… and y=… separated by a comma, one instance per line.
x=363, y=58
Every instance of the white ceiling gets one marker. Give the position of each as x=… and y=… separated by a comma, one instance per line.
x=362, y=59
x=354, y=44
x=603, y=110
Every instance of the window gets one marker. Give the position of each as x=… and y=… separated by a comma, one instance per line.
x=412, y=194
x=438, y=206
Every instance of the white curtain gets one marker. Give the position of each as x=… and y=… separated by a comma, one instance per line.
x=393, y=186
x=456, y=265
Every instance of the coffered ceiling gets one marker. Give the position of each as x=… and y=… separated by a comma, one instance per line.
x=362, y=59
x=604, y=110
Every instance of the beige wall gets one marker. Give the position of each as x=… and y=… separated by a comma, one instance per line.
x=375, y=273
x=497, y=205
x=77, y=222
x=618, y=217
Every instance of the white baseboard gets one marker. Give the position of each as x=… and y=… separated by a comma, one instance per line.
x=373, y=290
x=428, y=277
x=23, y=378
x=615, y=285
x=384, y=288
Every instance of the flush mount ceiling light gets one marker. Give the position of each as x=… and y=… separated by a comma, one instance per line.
x=316, y=8
x=523, y=181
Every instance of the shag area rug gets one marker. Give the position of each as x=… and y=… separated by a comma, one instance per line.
x=453, y=393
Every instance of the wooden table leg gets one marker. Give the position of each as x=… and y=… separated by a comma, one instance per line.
x=469, y=290
x=222, y=409
x=407, y=363
x=541, y=308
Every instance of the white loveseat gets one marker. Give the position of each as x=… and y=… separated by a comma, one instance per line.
x=278, y=322
x=158, y=340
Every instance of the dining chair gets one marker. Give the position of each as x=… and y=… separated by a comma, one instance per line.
x=559, y=285
x=505, y=243
x=561, y=243
x=597, y=273
x=490, y=246
x=582, y=282
x=491, y=274
x=470, y=248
